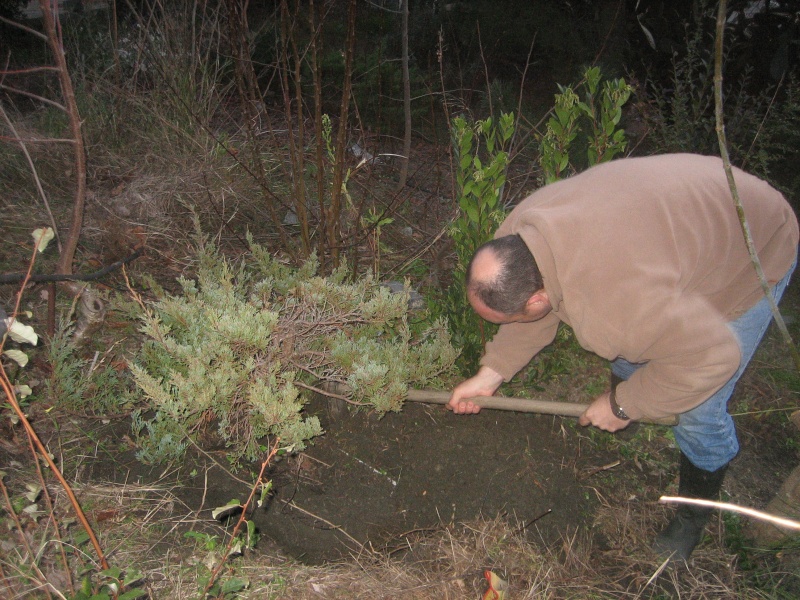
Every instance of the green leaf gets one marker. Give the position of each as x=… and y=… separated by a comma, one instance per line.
x=33, y=492
x=265, y=490
x=227, y=510
x=472, y=212
x=81, y=537
x=130, y=594
x=18, y=356
x=132, y=576
x=112, y=572
x=42, y=237
x=22, y=333
x=233, y=585
x=251, y=534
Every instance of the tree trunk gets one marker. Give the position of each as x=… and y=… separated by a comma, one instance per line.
x=726, y=161
x=333, y=220
x=406, y=99
x=64, y=266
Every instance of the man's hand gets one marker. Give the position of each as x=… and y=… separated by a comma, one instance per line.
x=600, y=415
x=484, y=383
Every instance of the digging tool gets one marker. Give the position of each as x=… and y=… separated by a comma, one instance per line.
x=528, y=405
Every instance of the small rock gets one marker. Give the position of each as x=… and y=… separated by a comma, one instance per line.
x=415, y=299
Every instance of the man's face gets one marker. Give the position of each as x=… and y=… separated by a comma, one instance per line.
x=536, y=308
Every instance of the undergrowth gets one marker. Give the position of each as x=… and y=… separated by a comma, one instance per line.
x=235, y=352
x=80, y=385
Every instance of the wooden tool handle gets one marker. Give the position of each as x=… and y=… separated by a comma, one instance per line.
x=528, y=405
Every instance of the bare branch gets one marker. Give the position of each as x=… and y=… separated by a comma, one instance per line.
x=27, y=71
x=726, y=162
x=20, y=140
x=35, y=174
x=788, y=523
x=71, y=107
x=34, y=96
x=33, y=32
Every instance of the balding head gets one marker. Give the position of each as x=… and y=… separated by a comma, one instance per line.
x=503, y=277
x=485, y=267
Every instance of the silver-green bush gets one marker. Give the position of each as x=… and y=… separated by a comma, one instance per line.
x=241, y=345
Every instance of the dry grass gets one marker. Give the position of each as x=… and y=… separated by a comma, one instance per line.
x=145, y=525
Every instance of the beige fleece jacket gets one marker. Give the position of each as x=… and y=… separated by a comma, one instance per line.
x=645, y=259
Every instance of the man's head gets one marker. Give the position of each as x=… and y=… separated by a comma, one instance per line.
x=504, y=284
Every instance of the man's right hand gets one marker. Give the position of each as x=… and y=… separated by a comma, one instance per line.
x=484, y=383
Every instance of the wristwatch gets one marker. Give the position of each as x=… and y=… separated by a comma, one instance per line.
x=615, y=408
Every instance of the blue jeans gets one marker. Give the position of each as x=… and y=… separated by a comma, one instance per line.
x=706, y=434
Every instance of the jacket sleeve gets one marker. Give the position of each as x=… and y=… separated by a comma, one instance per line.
x=515, y=344
x=690, y=354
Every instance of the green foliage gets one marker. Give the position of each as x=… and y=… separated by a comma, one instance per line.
x=762, y=124
x=481, y=176
x=236, y=349
x=113, y=583
x=374, y=222
x=226, y=589
x=81, y=385
x=770, y=572
x=592, y=122
x=556, y=360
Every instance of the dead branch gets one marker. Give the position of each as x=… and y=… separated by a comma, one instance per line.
x=726, y=161
x=17, y=277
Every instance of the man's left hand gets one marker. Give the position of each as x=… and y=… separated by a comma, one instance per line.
x=600, y=415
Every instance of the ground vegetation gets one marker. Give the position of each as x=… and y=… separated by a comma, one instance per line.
x=240, y=200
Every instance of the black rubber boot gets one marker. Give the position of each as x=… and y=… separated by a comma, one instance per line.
x=685, y=530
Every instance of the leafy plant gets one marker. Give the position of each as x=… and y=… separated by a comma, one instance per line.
x=81, y=385
x=36, y=551
x=481, y=176
x=375, y=221
x=114, y=583
x=761, y=122
x=594, y=121
x=235, y=352
x=556, y=360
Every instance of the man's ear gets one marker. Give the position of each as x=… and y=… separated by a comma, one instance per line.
x=538, y=300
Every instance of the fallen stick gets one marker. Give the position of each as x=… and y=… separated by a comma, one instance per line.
x=526, y=405
x=776, y=520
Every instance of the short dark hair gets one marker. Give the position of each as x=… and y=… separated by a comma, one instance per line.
x=518, y=276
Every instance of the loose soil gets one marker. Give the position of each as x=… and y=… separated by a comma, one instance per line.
x=369, y=480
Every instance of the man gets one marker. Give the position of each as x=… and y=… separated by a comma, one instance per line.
x=645, y=259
